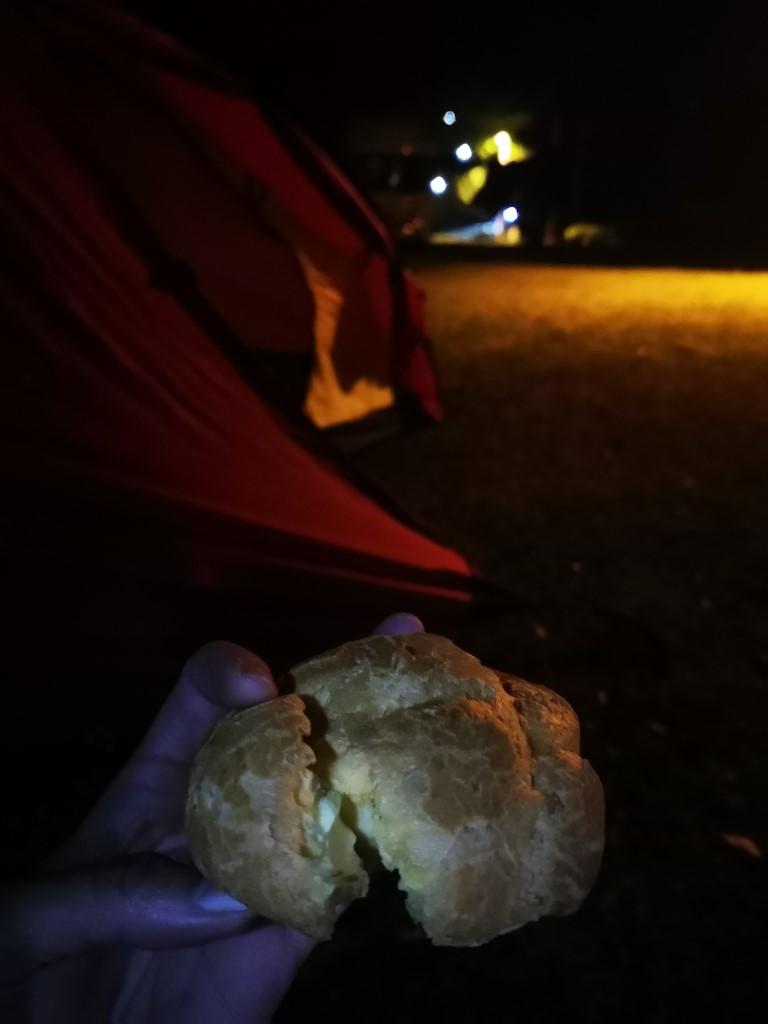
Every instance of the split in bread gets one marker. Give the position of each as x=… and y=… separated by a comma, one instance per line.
x=407, y=751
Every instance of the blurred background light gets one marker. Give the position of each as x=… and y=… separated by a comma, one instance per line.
x=469, y=184
x=506, y=149
x=438, y=185
x=503, y=142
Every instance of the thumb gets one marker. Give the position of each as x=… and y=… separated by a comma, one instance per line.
x=147, y=901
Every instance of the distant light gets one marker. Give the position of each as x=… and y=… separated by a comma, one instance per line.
x=470, y=183
x=449, y=117
x=510, y=215
x=464, y=152
x=503, y=142
x=502, y=146
x=438, y=185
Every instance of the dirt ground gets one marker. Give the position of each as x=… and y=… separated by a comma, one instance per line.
x=604, y=457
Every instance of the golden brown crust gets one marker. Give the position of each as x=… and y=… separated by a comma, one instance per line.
x=471, y=780
x=245, y=818
x=370, y=678
x=549, y=721
x=454, y=809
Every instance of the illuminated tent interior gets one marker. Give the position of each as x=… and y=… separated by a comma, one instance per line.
x=159, y=239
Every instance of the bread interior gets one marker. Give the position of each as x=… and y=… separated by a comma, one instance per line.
x=339, y=816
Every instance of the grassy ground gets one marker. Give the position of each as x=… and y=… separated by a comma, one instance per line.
x=605, y=457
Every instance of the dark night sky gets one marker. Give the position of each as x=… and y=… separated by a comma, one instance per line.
x=397, y=53
x=668, y=100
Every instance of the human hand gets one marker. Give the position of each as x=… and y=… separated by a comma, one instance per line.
x=120, y=926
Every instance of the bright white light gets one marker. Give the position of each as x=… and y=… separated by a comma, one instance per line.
x=438, y=185
x=503, y=142
x=464, y=152
x=449, y=117
x=510, y=215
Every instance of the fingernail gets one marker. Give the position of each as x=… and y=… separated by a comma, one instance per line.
x=256, y=671
x=216, y=902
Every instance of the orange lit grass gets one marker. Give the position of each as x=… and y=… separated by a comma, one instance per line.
x=586, y=401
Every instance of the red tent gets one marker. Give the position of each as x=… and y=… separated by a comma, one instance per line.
x=157, y=234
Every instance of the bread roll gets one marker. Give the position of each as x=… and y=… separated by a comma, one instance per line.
x=405, y=749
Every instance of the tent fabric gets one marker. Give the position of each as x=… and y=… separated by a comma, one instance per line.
x=153, y=496
x=279, y=245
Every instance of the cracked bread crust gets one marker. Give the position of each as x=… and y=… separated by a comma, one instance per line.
x=473, y=781
x=250, y=788
x=367, y=679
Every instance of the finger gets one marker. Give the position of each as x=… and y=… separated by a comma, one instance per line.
x=146, y=901
x=218, y=677
x=400, y=622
